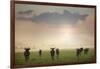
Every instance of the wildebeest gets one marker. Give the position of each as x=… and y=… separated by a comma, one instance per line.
x=86, y=50
x=57, y=53
x=52, y=52
x=78, y=52
x=27, y=54
x=40, y=52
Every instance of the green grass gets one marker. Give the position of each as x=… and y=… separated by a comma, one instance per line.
x=65, y=57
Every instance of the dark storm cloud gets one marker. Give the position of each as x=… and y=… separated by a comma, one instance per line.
x=25, y=15
x=58, y=18
x=52, y=18
x=25, y=12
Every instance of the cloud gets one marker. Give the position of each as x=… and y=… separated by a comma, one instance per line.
x=59, y=18
x=25, y=12
x=88, y=26
x=25, y=15
x=65, y=17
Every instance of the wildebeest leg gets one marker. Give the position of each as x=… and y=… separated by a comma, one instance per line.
x=77, y=54
x=26, y=58
x=40, y=56
x=57, y=56
x=52, y=57
x=78, y=58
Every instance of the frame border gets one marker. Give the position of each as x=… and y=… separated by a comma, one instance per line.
x=12, y=31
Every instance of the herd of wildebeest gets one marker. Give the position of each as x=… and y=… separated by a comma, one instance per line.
x=54, y=52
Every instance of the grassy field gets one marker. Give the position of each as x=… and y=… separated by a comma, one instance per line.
x=65, y=57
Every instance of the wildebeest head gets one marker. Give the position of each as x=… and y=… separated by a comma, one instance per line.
x=52, y=48
x=26, y=49
x=81, y=49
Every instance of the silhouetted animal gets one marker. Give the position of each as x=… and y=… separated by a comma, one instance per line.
x=86, y=50
x=27, y=54
x=40, y=52
x=81, y=49
x=52, y=52
x=57, y=53
x=78, y=52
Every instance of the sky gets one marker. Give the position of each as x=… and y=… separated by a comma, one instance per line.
x=44, y=27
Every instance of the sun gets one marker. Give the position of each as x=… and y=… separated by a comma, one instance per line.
x=66, y=35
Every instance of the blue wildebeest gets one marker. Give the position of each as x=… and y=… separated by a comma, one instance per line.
x=57, y=53
x=86, y=50
x=27, y=54
x=52, y=52
x=78, y=52
x=40, y=52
